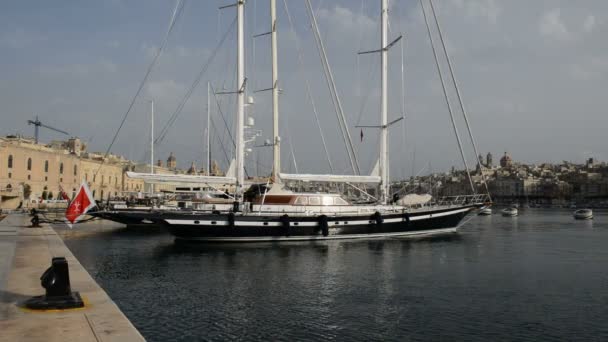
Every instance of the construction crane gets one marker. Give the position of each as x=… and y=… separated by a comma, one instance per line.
x=37, y=124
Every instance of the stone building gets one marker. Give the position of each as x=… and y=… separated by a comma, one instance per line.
x=31, y=172
x=506, y=160
x=171, y=162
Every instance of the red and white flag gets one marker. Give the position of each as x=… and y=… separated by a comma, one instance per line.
x=80, y=205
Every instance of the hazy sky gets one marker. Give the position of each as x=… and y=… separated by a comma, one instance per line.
x=533, y=75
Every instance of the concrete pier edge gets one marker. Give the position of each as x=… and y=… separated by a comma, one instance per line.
x=25, y=253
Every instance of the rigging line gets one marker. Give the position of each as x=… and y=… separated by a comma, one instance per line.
x=458, y=95
x=185, y=99
x=177, y=11
x=221, y=138
x=372, y=67
x=333, y=100
x=404, y=187
x=221, y=143
x=293, y=156
x=447, y=99
x=308, y=88
x=333, y=90
x=219, y=109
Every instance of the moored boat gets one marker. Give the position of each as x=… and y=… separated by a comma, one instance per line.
x=278, y=214
x=485, y=211
x=509, y=212
x=583, y=214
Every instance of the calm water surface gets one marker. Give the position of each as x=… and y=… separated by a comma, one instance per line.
x=539, y=276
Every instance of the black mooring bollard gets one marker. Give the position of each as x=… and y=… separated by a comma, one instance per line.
x=59, y=295
x=35, y=221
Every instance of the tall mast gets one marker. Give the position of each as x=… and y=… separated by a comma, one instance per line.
x=276, y=169
x=384, y=183
x=208, y=129
x=152, y=142
x=240, y=82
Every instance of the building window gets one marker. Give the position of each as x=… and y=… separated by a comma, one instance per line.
x=46, y=178
x=10, y=161
x=29, y=164
x=9, y=187
x=61, y=168
x=10, y=175
x=86, y=177
x=75, y=170
x=29, y=177
x=46, y=166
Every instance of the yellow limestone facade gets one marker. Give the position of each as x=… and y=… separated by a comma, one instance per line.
x=32, y=173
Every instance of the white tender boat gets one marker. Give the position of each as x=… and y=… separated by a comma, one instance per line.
x=510, y=212
x=583, y=214
x=487, y=211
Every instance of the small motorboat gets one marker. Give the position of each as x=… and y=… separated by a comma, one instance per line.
x=485, y=211
x=509, y=212
x=583, y=214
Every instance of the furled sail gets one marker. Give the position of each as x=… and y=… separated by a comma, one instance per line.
x=180, y=179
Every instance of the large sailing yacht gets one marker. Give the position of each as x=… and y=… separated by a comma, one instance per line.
x=278, y=214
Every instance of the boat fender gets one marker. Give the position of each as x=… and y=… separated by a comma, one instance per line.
x=231, y=220
x=323, y=226
x=378, y=218
x=407, y=218
x=285, y=224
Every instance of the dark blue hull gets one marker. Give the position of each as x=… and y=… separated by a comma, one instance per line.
x=250, y=228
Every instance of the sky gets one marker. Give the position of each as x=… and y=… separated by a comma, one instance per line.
x=532, y=75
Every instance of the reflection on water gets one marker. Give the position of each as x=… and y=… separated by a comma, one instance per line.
x=538, y=276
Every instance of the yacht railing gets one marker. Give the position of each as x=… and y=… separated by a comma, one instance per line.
x=461, y=200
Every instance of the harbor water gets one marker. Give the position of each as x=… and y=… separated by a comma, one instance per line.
x=539, y=276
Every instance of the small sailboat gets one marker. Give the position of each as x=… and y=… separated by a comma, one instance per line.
x=583, y=214
x=510, y=212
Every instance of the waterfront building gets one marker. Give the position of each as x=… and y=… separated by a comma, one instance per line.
x=31, y=172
